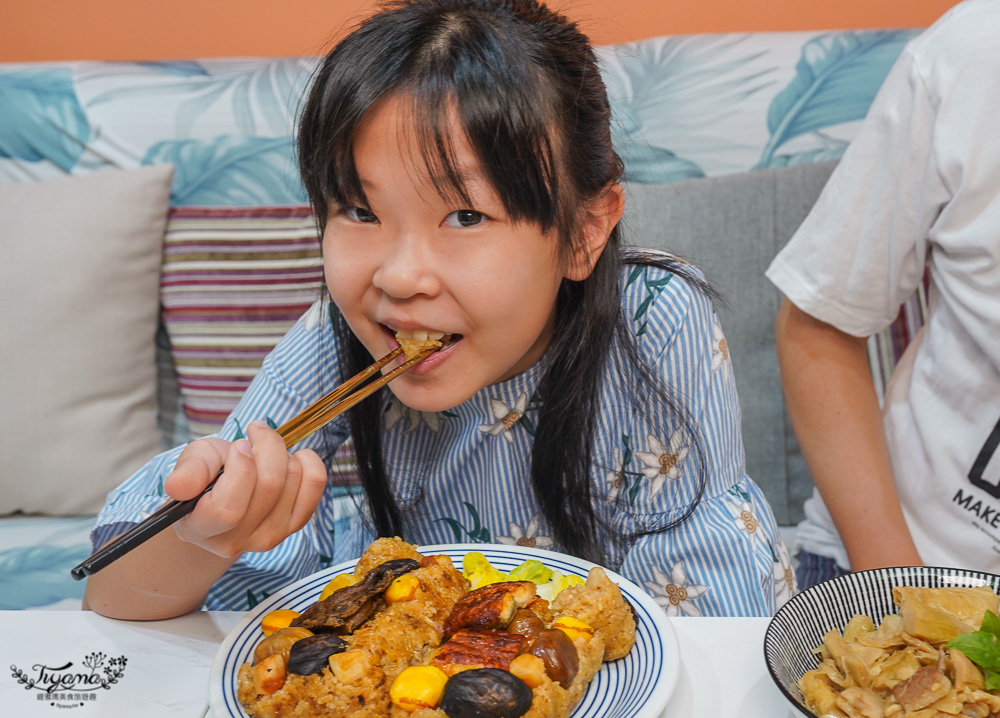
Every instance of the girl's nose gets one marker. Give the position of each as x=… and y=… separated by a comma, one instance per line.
x=407, y=267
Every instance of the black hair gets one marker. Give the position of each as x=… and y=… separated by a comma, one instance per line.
x=525, y=85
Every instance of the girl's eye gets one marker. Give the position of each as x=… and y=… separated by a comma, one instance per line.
x=360, y=214
x=464, y=218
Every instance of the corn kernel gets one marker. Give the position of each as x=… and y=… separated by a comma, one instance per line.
x=338, y=582
x=418, y=687
x=277, y=619
x=402, y=589
x=573, y=627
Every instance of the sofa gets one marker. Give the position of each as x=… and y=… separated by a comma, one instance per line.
x=158, y=243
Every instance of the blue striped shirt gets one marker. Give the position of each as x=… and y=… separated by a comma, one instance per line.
x=463, y=474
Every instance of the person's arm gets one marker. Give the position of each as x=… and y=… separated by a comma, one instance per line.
x=837, y=419
x=264, y=495
x=163, y=578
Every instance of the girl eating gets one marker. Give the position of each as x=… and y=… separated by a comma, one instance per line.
x=458, y=157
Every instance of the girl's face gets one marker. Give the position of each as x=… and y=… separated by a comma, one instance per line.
x=414, y=261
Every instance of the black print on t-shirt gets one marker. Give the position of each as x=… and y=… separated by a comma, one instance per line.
x=976, y=473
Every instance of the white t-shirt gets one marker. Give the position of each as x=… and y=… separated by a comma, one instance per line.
x=920, y=185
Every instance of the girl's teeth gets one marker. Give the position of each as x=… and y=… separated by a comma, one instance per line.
x=418, y=335
x=414, y=341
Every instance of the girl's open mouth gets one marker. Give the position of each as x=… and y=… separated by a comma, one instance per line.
x=415, y=341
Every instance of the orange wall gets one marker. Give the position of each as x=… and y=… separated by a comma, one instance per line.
x=171, y=29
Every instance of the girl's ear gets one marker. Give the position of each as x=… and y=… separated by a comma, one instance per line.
x=601, y=215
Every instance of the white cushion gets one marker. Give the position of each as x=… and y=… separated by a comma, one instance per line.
x=80, y=265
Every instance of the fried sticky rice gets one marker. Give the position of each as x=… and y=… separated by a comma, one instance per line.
x=410, y=633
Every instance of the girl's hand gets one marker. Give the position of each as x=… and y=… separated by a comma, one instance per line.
x=264, y=495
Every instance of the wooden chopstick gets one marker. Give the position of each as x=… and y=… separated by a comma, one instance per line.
x=292, y=431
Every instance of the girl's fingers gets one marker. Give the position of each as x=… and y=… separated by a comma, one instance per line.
x=225, y=506
x=196, y=467
x=272, y=466
x=274, y=526
x=226, y=516
x=264, y=494
x=310, y=490
x=251, y=481
x=304, y=485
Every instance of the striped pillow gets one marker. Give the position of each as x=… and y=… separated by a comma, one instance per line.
x=234, y=281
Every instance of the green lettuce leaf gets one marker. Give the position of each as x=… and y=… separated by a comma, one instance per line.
x=531, y=570
x=982, y=647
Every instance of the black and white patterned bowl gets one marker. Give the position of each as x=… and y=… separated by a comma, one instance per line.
x=799, y=626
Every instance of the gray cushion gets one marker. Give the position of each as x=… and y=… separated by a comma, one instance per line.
x=731, y=227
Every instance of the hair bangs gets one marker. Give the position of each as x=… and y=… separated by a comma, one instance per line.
x=454, y=65
x=514, y=154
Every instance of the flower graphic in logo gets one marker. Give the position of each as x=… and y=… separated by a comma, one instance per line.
x=66, y=685
x=506, y=417
x=528, y=536
x=674, y=593
x=663, y=462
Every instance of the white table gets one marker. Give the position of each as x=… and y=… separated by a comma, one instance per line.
x=167, y=665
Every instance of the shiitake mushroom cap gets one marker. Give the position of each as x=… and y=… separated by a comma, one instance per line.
x=485, y=693
x=311, y=654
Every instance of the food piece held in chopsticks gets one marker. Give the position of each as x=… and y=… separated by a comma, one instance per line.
x=414, y=341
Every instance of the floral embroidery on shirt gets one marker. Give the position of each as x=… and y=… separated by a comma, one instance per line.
x=674, y=593
x=160, y=491
x=253, y=599
x=397, y=411
x=653, y=289
x=784, y=576
x=620, y=478
x=506, y=417
x=528, y=536
x=720, y=348
x=746, y=520
x=615, y=477
x=663, y=462
x=477, y=532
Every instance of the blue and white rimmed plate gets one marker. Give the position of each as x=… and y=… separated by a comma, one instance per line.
x=636, y=686
x=800, y=625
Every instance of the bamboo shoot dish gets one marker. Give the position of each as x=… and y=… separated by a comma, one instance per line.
x=938, y=656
